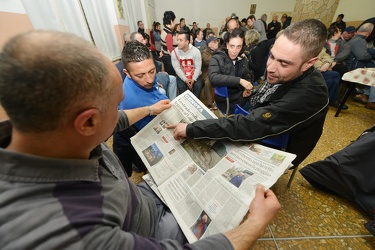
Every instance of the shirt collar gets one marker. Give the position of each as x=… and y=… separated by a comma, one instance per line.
x=30, y=168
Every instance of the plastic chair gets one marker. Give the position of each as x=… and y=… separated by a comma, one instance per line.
x=280, y=142
x=223, y=91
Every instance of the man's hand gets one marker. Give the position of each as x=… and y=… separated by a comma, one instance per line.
x=246, y=93
x=160, y=106
x=190, y=83
x=332, y=65
x=263, y=209
x=179, y=131
x=324, y=67
x=246, y=84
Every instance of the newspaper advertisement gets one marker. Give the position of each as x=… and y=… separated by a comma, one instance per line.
x=207, y=184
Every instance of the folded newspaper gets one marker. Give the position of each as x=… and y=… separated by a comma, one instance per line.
x=207, y=184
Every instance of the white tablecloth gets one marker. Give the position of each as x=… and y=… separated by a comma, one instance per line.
x=365, y=76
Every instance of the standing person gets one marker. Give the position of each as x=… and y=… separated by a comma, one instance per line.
x=258, y=25
x=263, y=18
x=285, y=20
x=157, y=40
x=60, y=184
x=293, y=100
x=194, y=29
x=255, y=54
x=167, y=44
x=230, y=25
x=229, y=67
x=183, y=25
x=273, y=27
x=212, y=46
x=207, y=31
x=141, y=28
x=339, y=22
x=187, y=62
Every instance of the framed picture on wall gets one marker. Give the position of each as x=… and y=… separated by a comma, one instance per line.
x=253, y=8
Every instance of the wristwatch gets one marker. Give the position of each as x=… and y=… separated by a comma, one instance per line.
x=151, y=108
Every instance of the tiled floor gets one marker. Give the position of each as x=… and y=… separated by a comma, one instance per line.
x=311, y=219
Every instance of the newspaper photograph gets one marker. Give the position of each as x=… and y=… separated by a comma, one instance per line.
x=207, y=184
x=162, y=154
x=216, y=200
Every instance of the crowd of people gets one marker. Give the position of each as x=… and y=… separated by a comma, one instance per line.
x=57, y=171
x=334, y=60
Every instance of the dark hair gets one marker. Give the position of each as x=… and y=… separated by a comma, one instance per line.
x=187, y=34
x=237, y=32
x=46, y=77
x=182, y=19
x=155, y=24
x=310, y=34
x=169, y=16
x=134, y=51
x=250, y=17
x=332, y=30
x=139, y=22
x=342, y=16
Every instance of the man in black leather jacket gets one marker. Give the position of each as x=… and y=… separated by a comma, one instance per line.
x=292, y=101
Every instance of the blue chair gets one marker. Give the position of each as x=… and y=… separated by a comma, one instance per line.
x=223, y=91
x=280, y=142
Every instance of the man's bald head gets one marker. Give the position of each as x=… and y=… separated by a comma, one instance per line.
x=48, y=76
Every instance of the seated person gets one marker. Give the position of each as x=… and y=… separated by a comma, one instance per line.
x=199, y=41
x=363, y=57
x=229, y=67
x=187, y=63
x=293, y=100
x=141, y=89
x=338, y=49
x=61, y=187
x=166, y=81
x=332, y=78
x=212, y=46
x=255, y=54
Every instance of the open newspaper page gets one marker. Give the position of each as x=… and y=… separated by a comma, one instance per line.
x=216, y=200
x=208, y=185
x=162, y=154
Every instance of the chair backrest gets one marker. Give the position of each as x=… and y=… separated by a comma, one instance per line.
x=280, y=142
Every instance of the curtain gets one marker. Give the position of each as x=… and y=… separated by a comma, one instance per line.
x=94, y=22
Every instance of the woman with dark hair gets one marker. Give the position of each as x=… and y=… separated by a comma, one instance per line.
x=167, y=44
x=156, y=35
x=229, y=68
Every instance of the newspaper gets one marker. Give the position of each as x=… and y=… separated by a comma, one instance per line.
x=207, y=184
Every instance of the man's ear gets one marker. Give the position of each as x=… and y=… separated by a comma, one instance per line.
x=127, y=73
x=309, y=64
x=86, y=122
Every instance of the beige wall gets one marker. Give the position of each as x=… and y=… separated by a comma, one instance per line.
x=12, y=24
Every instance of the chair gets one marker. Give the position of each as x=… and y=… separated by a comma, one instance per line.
x=223, y=91
x=280, y=142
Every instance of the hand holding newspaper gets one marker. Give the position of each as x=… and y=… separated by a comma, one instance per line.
x=207, y=184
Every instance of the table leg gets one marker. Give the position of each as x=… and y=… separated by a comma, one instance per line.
x=349, y=90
